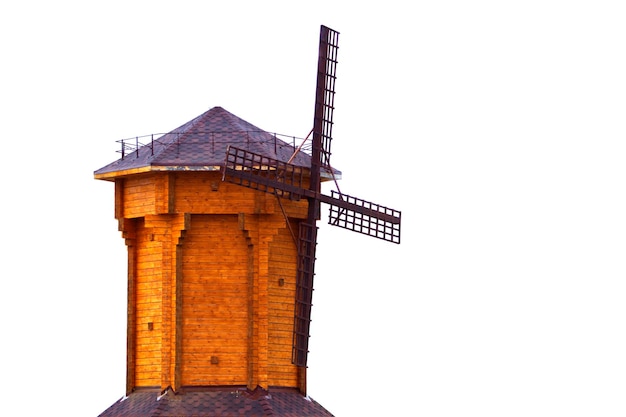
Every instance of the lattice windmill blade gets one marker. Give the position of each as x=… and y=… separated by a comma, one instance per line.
x=253, y=170
x=259, y=172
x=320, y=157
x=325, y=95
x=364, y=217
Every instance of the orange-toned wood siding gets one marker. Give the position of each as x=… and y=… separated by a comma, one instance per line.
x=139, y=196
x=148, y=307
x=180, y=225
x=212, y=271
x=195, y=192
x=206, y=193
x=282, y=287
x=215, y=305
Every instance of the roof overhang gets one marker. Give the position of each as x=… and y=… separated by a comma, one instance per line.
x=112, y=175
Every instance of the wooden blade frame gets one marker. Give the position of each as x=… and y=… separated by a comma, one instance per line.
x=320, y=157
x=365, y=217
x=252, y=170
x=285, y=180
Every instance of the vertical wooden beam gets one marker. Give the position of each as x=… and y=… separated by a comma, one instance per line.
x=165, y=239
x=119, y=198
x=260, y=231
x=164, y=193
x=183, y=224
x=263, y=305
x=251, y=363
x=171, y=190
x=302, y=379
x=128, y=232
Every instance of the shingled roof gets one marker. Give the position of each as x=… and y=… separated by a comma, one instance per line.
x=200, y=145
x=217, y=402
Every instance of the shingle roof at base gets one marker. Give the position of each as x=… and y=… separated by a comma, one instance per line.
x=217, y=402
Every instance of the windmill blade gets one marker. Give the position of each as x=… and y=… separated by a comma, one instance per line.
x=350, y=213
x=325, y=95
x=364, y=217
x=304, y=293
x=320, y=158
x=253, y=170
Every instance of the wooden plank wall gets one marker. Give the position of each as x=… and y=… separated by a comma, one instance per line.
x=214, y=307
x=282, y=288
x=148, y=317
x=213, y=281
x=195, y=192
x=139, y=196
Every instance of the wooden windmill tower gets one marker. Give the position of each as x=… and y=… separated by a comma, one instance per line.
x=220, y=276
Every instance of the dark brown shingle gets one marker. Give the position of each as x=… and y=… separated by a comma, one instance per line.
x=201, y=143
x=217, y=402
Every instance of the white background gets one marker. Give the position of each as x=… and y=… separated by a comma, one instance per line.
x=498, y=128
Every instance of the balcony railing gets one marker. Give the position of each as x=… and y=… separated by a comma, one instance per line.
x=130, y=146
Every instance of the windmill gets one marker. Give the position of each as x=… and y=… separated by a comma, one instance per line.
x=285, y=180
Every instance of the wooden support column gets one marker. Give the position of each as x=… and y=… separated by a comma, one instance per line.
x=260, y=231
x=180, y=225
x=161, y=232
x=126, y=226
x=164, y=193
x=165, y=233
x=263, y=309
x=119, y=199
x=252, y=362
x=247, y=226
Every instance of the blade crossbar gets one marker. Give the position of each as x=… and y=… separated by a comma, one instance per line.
x=365, y=217
x=253, y=170
x=304, y=293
